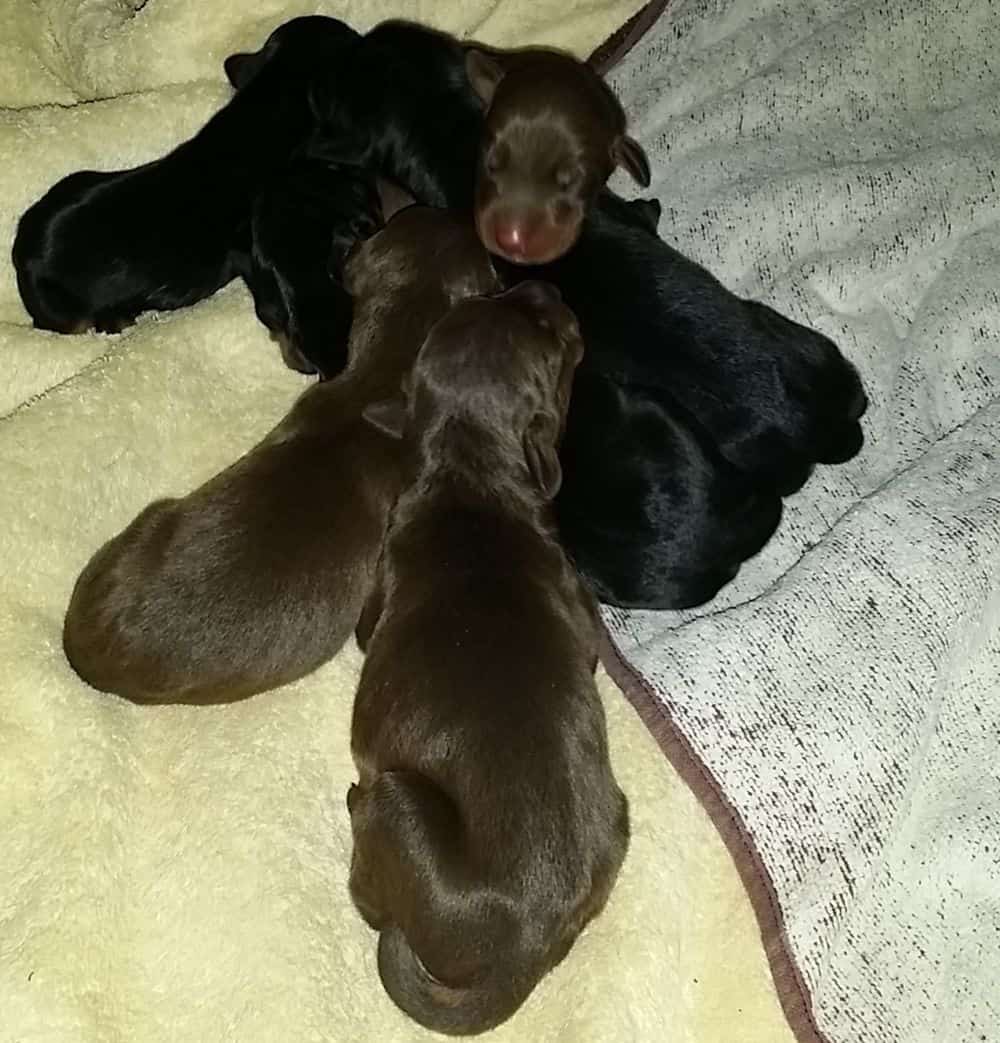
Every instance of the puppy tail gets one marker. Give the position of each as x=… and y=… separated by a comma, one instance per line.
x=411, y=880
x=452, y=1010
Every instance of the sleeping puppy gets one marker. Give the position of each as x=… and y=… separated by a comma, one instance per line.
x=488, y=826
x=304, y=224
x=259, y=576
x=541, y=128
x=99, y=248
x=554, y=133
x=775, y=397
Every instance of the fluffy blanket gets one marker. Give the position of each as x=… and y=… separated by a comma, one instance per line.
x=838, y=708
x=180, y=874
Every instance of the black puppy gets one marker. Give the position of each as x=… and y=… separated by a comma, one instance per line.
x=774, y=396
x=403, y=107
x=650, y=512
x=304, y=224
x=99, y=248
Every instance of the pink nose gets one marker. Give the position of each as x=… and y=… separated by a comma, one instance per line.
x=511, y=237
x=529, y=238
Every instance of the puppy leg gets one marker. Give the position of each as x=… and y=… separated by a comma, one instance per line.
x=105, y=636
x=114, y=322
x=593, y=898
x=51, y=306
x=402, y=826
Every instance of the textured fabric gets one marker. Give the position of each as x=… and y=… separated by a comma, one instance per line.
x=838, y=160
x=179, y=874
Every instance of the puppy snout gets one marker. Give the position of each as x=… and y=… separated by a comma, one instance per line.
x=512, y=236
x=528, y=238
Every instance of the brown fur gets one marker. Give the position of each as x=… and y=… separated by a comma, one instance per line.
x=259, y=576
x=553, y=134
x=488, y=827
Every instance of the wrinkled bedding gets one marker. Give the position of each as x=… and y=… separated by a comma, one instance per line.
x=838, y=707
x=180, y=874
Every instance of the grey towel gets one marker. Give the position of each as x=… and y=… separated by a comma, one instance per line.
x=839, y=161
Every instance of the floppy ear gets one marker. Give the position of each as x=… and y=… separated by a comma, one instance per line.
x=540, y=452
x=392, y=198
x=387, y=416
x=484, y=72
x=628, y=153
x=242, y=68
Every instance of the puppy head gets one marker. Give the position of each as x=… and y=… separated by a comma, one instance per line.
x=295, y=38
x=504, y=364
x=553, y=134
x=403, y=279
x=421, y=251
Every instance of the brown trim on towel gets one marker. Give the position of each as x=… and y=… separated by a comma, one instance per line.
x=619, y=43
x=793, y=993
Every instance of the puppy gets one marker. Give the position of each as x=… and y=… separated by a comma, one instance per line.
x=774, y=396
x=403, y=107
x=535, y=131
x=488, y=827
x=304, y=224
x=99, y=248
x=554, y=132
x=259, y=576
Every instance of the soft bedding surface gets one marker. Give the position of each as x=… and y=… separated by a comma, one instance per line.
x=180, y=874
x=838, y=707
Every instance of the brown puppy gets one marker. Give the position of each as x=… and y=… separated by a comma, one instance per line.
x=554, y=132
x=259, y=576
x=488, y=827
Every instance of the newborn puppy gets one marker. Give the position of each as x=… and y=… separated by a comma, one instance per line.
x=99, y=248
x=304, y=224
x=411, y=107
x=649, y=511
x=259, y=576
x=403, y=107
x=488, y=826
x=774, y=396
x=554, y=133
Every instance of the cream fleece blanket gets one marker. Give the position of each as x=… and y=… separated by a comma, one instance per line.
x=839, y=160
x=180, y=874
